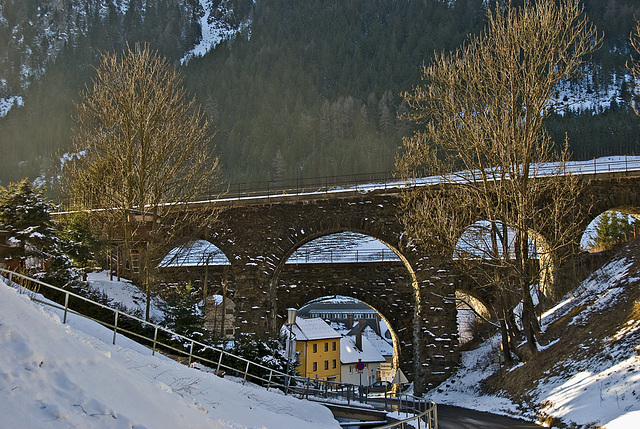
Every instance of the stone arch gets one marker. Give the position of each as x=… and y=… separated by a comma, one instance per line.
x=634, y=212
x=392, y=331
x=538, y=246
x=194, y=253
x=202, y=261
x=404, y=338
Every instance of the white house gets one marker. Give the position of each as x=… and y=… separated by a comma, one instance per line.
x=357, y=351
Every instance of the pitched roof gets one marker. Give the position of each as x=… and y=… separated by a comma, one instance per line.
x=313, y=329
x=350, y=354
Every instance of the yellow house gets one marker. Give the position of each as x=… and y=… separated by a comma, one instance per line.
x=318, y=345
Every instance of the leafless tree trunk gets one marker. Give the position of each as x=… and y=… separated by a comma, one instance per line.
x=142, y=150
x=482, y=108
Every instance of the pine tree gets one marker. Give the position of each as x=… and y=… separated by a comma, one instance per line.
x=612, y=228
x=26, y=216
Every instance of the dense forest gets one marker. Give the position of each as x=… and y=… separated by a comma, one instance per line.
x=306, y=89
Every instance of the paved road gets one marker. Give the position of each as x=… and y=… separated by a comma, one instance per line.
x=450, y=417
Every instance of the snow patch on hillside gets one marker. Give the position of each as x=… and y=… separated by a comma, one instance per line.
x=213, y=32
x=7, y=104
x=603, y=389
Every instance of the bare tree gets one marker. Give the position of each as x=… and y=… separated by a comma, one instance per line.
x=633, y=64
x=142, y=149
x=482, y=108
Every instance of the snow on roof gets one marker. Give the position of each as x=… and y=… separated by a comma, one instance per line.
x=195, y=254
x=349, y=353
x=313, y=329
x=378, y=342
x=331, y=306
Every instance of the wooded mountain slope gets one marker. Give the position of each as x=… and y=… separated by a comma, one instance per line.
x=307, y=89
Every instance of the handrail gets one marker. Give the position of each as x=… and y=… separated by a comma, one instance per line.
x=388, y=180
x=198, y=352
x=424, y=412
x=340, y=255
x=367, y=182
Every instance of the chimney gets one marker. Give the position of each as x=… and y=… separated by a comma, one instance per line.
x=359, y=341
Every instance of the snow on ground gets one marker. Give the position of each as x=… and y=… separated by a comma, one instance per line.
x=213, y=32
x=463, y=388
x=7, y=103
x=62, y=376
x=125, y=294
x=603, y=389
x=595, y=390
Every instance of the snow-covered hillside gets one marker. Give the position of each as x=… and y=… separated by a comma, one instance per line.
x=33, y=33
x=61, y=376
x=589, y=374
x=58, y=376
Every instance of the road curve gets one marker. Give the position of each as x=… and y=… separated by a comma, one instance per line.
x=450, y=417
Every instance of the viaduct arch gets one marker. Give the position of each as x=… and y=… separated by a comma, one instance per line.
x=259, y=234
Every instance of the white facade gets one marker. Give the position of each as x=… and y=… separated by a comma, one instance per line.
x=351, y=354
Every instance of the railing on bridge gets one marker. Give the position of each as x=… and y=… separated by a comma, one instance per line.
x=343, y=256
x=388, y=180
x=205, y=357
x=310, y=185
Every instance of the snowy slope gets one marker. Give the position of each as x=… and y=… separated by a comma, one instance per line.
x=62, y=376
x=596, y=382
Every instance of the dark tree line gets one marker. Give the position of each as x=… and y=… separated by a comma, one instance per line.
x=310, y=89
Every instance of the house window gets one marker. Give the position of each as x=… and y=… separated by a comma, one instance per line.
x=326, y=347
x=326, y=365
x=334, y=364
x=315, y=349
x=229, y=311
x=333, y=346
x=315, y=366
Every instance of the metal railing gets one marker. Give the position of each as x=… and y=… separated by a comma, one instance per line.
x=388, y=180
x=345, y=256
x=419, y=412
x=202, y=356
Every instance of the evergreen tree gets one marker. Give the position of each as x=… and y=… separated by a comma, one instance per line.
x=182, y=313
x=80, y=243
x=612, y=228
x=26, y=216
x=267, y=350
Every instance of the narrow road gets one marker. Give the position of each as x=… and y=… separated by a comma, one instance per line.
x=450, y=417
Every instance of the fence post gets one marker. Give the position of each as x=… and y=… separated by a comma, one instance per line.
x=219, y=363
x=246, y=370
x=269, y=382
x=66, y=306
x=155, y=339
x=190, y=352
x=115, y=327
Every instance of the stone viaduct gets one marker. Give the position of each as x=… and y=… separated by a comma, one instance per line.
x=259, y=234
